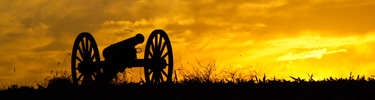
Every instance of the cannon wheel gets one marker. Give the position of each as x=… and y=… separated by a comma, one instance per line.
x=159, y=47
x=85, y=50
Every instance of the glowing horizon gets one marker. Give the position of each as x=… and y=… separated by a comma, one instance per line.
x=279, y=38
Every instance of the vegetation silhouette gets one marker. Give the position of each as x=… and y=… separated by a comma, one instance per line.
x=195, y=86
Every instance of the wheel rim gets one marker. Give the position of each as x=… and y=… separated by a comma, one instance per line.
x=159, y=47
x=85, y=50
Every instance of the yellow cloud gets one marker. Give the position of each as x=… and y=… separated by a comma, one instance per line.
x=318, y=53
x=310, y=41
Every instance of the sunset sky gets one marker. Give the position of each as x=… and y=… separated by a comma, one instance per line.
x=278, y=38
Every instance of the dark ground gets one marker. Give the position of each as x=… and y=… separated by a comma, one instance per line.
x=271, y=90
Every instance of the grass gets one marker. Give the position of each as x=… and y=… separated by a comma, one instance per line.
x=258, y=88
x=202, y=83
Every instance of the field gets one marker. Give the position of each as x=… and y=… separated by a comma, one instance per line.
x=352, y=88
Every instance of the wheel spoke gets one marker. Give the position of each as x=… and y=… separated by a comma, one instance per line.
x=84, y=80
x=90, y=50
x=152, y=78
x=161, y=78
x=91, y=79
x=152, y=55
x=148, y=73
x=162, y=71
x=80, y=50
x=156, y=41
x=165, y=55
x=80, y=76
x=83, y=45
x=160, y=40
x=87, y=79
x=157, y=78
x=151, y=71
x=162, y=48
x=92, y=57
x=96, y=74
x=79, y=59
x=87, y=44
x=152, y=46
x=93, y=76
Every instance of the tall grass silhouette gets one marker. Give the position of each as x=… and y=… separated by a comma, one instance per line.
x=205, y=81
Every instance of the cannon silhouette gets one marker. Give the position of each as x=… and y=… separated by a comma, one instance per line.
x=88, y=69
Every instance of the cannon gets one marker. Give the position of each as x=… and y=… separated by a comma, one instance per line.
x=88, y=69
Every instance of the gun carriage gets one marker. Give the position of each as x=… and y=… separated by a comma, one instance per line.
x=88, y=69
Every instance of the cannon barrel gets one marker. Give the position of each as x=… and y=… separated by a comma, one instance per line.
x=123, y=50
x=133, y=41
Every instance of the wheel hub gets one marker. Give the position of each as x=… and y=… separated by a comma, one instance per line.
x=159, y=64
x=86, y=67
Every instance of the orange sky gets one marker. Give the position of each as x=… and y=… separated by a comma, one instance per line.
x=279, y=38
